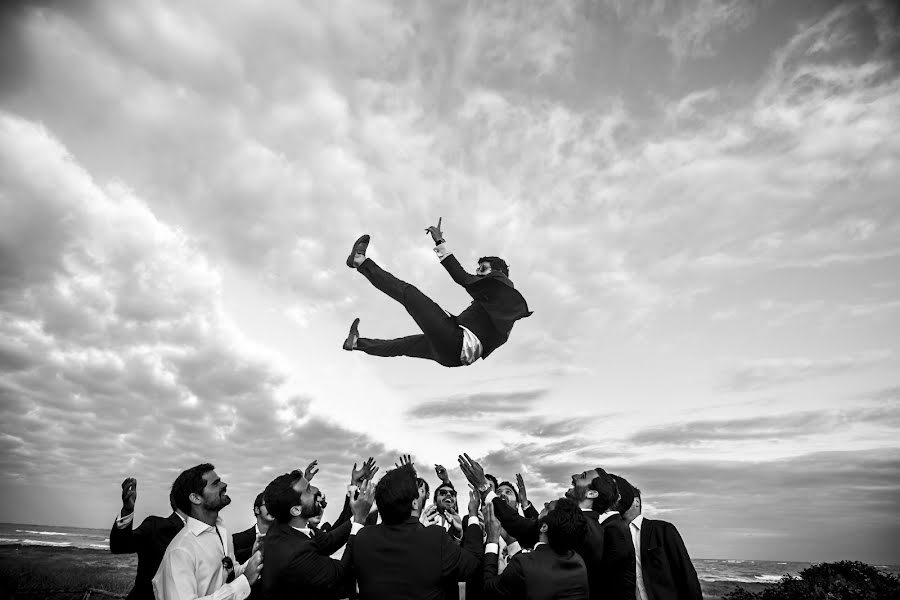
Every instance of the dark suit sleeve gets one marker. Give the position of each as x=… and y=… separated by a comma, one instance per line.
x=531, y=512
x=524, y=530
x=618, y=550
x=331, y=542
x=321, y=573
x=509, y=584
x=122, y=541
x=456, y=271
x=345, y=515
x=683, y=571
x=243, y=544
x=459, y=561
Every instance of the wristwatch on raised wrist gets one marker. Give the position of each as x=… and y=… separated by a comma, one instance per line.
x=439, y=242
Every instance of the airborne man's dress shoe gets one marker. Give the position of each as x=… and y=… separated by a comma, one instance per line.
x=359, y=247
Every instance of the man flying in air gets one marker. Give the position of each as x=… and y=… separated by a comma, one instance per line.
x=452, y=341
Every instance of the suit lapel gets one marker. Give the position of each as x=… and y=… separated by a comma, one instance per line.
x=646, y=526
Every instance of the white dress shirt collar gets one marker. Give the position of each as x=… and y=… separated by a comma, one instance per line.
x=637, y=522
x=197, y=526
x=607, y=515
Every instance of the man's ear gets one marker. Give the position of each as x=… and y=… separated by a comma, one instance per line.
x=195, y=498
x=295, y=510
x=543, y=528
x=590, y=494
x=255, y=511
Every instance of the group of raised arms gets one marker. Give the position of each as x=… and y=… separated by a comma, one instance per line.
x=396, y=539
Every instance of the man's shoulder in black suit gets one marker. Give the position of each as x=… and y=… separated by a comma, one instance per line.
x=243, y=544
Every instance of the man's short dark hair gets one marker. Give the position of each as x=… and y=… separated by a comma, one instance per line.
x=497, y=264
x=492, y=479
x=566, y=526
x=260, y=500
x=280, y=496
x=394, y=494
x=190, y=481
x=441, y=486
x=510, y=486
x=626, y=493
x=607, y=494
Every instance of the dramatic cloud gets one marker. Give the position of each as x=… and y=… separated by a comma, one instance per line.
x=776, y=371
x=478, y=405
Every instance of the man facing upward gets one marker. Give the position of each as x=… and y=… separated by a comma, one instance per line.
x=664, y=570
x=450, y=341
x=553, y=571
x=149, y=541
x=199, y=563
x=297, y=558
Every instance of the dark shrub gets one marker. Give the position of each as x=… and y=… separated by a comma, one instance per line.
x=844, y=580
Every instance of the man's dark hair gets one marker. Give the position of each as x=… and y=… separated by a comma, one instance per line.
x=441, y=486
x=566, y=526
x=626, y=494
x=605, y=487
x=497, y=264
x=394, y=494
x=172, y=500
x=492, y=479
x=260, y=500
x=510, y=486
x=189, y=482
x=281, y=497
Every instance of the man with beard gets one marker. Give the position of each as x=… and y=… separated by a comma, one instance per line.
x=609, y=560
x=553, y=571
x=199, y=562
x=297, y=558
x=597, y=495
x=149, y=541
x=444, y=511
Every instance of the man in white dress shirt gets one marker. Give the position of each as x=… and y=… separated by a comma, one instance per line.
x=199, y=563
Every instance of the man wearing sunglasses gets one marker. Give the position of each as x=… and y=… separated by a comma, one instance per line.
x=199, y=562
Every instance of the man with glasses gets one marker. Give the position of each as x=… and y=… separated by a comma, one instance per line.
x=199, y=562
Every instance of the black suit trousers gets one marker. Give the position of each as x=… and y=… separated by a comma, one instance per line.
x=441, y=337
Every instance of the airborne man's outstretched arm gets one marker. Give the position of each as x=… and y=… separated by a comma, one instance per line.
x=447, y=259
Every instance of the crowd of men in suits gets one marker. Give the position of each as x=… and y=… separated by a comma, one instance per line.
x=391, y=542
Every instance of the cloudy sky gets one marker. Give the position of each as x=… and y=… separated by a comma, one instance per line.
x=699, y=199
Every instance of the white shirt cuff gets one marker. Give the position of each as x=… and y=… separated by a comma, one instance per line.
x=492, y=548
x=241, y=587
x=473, y=520
x=123, y=522
x=442, y=251
x=354, y=527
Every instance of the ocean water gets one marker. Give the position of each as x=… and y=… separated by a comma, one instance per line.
x=42, y=535
x=708, y=569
